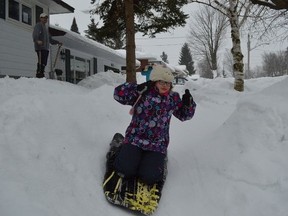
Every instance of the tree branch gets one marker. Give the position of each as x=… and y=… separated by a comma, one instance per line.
x=273, y=4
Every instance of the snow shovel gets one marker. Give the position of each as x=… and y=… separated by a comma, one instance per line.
x=54, y=71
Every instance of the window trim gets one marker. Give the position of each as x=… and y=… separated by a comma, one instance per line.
x=18, y=12
x=31, y=14
x=20, y=21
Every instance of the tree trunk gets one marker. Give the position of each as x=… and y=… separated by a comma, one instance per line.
x=238, y=66
x=130, y=42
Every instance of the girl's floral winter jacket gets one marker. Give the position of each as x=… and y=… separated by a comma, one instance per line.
x=149, y=127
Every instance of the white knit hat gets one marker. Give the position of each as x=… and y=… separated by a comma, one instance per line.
x=160, y=72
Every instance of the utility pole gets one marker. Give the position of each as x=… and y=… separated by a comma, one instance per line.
x=249, y=49
x=248, y=55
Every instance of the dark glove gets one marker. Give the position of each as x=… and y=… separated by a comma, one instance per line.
x=187, y=98
x=144, y=87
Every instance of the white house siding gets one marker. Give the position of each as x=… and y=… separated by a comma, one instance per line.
x=106, y=62
x=17, y=56
x=84, y=67
x=112, y=61
x=84, y=48
x=79, y=69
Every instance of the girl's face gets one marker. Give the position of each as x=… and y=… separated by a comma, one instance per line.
x=163, y=86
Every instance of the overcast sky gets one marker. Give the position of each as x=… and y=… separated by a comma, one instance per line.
x=171, y=43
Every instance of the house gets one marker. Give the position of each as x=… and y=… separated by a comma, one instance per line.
x=17, y=19
x=144, y=59
x=80, y=57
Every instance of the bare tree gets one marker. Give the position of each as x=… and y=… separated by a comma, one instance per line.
x=204, y=69
x=269, y=25
x=228, y=63
x=258, y=72
x=206, y=34
x=237, y=12
x=266, y=26
x=275, y=64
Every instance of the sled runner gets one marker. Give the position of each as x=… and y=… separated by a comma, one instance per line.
x=129, y=193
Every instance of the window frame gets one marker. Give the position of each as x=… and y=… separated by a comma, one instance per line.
x=30, y=15
x=18, y=19
x=12, y=10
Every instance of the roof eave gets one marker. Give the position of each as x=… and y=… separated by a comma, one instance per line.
x=55, y=9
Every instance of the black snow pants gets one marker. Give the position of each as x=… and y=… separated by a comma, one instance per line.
x=133, y=161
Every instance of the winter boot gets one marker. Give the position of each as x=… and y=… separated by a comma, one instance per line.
x=38, y=68
x=40, y=71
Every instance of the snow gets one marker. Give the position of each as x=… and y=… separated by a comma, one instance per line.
x=230, y=159
x=139, y=55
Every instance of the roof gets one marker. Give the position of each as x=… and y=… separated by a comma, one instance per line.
x=139, y=55
x=81, y=43
x=143, y=55
x=57, y=6
x=56, y=32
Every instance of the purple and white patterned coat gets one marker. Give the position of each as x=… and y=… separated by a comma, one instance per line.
x=149, y=127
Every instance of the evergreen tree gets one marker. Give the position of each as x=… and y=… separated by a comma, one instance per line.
x=92, y=31
x=186, y=59
x=114, y=41
x=131, y=16
x=164, y=57
x=151, y=17
x=74, y=26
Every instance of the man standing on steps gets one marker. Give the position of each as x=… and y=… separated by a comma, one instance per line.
x=42, y=40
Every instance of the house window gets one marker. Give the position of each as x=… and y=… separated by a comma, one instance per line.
x=39, y=10
x=88, y=70
x=16, y=9
x=26, y=15
x=80, y=68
